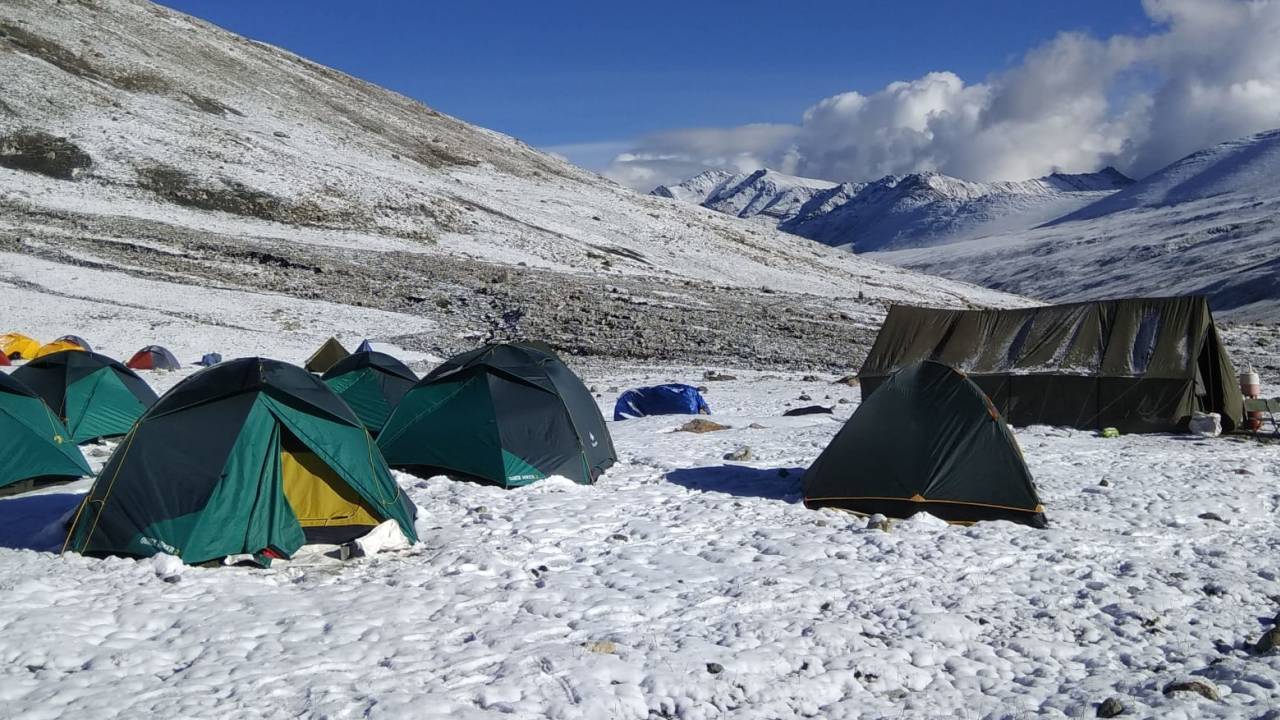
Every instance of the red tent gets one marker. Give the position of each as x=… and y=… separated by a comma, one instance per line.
x=153, y=357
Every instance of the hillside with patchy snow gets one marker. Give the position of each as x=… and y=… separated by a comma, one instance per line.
x=1208, y=223
x=137, y=140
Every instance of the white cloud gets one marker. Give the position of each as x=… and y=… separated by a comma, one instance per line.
x=1211, y=72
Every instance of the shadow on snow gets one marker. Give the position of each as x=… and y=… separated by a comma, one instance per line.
x=36, y=522
x=742, y=481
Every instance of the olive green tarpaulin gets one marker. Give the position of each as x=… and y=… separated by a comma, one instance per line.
x=1139, y=365
x=326, y=356
x=219, y=465
x=372, y=384
x=505, y=414
x=34, y=444
x=94, y=395
x=927, y=440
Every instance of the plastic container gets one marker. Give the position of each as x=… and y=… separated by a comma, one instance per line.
x=1251, y=387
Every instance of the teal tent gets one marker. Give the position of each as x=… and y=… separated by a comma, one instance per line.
x=34, y=444
x=94, y=395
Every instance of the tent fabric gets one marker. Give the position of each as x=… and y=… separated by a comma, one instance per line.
x=1139, y=365
x=153, y=357
x=326, y=356
x=372, y=384
x=94, y=395
x=246, y=457
x=506, y=414
x=57, y=346
x=209, y=359
x=927, y=440
x=16, y=346
x=364, y=347
x=670, y=399
x=4, y=361
x=34, y=444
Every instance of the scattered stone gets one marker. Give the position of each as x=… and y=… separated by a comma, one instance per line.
x=1104, y=483
x=810, y=378
x=1246, y=471
x=826, y=606
x=619, y=537
x=280, y=134
x=756, y=426
x=1203, y=688
x=850, y=380
x=878, y=522
x=1111, y=707
x=1211, y=516
x=742, y=454
x=713, y=376
x=805, y=397
x=172, y=578
x=603, y=647
x=808, y=410
x=594, y=389
x=612, y=389
x=843, y=401
x=703, y=389
x=1269, y=642
x=715, y=668
x=701, y=426
x=1214, y=590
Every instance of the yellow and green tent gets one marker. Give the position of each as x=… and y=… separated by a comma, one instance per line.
x=250, y=456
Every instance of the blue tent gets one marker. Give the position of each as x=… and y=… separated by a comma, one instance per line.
x=365, y=347
x=673, y=399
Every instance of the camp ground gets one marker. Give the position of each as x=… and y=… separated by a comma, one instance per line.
x=914, y=523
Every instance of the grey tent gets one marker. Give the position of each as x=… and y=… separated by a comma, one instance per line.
x=927, y=440
x=1139, y=365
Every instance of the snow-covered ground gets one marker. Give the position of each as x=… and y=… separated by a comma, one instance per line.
x=684, y=585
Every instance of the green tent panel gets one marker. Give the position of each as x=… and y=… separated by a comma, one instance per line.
x=34, y=444
x=248, y=456
x=927, y=440
x=1140, y=365
x=372, y=384
x=326, y=356
x=94, y=395
x=505, y=414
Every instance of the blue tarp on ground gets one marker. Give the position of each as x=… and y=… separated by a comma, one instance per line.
x=673, y=399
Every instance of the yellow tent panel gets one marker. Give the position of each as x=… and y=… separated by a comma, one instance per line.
x=17, y=346
x=319, y=497
x=57, y=346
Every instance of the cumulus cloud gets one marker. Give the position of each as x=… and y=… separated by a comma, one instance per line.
x=1210, y=72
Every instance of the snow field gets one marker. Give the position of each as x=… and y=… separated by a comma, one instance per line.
x=683, y=585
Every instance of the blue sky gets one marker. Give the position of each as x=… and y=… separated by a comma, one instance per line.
x=587, y=76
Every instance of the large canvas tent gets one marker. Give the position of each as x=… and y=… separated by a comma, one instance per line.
x=34, y=444
x=504, y=414
x=326, y=356
x=248, y=456
x=94, y=395
x=372, y=384
x=1139, y=365
x=927, y=440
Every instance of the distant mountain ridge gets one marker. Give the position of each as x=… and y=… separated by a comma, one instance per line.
x=1206, y=224
x=897, y=211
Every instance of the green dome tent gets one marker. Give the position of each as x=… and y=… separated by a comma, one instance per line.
x=248, y=456
x=34, y=445
x=372, y=383
x=94, y=395
x=926, y=440
x=505, y=414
